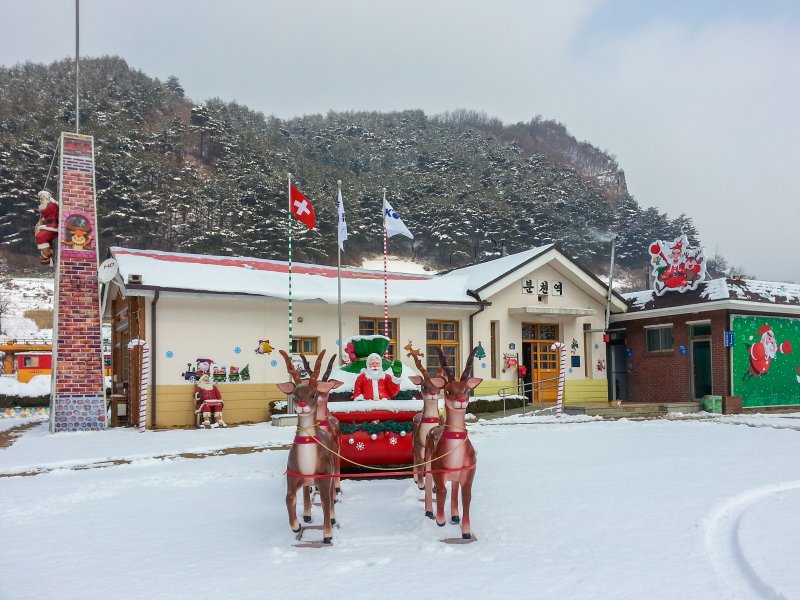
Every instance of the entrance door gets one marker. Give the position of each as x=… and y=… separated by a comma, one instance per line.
x=701, y=368
x=537, y=339
x=617, y=368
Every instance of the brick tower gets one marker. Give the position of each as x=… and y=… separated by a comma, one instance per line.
x=77, y=402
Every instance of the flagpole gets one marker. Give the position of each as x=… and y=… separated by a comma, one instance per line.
x=290, y=408
x=385, y=275
x=339, y=277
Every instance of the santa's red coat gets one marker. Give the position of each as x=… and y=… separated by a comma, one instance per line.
x=388, y=387
x=211, y=399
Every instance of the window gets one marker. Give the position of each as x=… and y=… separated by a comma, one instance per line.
x=374, y=326
x=304, y=345
x=699, y=329
x=659, y=339
x=30, y=361
x=540, y=331
x=444, y=335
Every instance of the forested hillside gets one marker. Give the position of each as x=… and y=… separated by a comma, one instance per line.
x=212, y=177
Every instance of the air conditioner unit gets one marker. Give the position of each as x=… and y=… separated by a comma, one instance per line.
x=134, y=278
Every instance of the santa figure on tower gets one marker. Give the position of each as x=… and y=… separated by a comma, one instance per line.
x=46, y=229
x=376, y=384
x=764, y=350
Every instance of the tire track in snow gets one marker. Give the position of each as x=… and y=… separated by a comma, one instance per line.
x=733, y=571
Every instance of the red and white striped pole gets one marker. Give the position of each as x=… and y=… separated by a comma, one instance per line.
x=562, y=349
x=145, y=379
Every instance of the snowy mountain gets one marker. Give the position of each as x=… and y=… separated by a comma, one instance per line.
x=212, y=177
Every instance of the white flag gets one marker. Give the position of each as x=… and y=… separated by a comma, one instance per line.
x=393, y=223
x=342, y=223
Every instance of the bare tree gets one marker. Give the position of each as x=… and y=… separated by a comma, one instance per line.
x=5, y=309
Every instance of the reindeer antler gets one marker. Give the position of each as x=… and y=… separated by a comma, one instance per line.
x=313, y=381
x=443, y=362
x=420, y=368
x=327, y=373
x=306, y=366
x=468, y=368
x=290, y=368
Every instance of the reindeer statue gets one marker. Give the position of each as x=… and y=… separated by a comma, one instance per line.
x=328, y=422
x=429, y=418
x=309, y=454
x=449, y=451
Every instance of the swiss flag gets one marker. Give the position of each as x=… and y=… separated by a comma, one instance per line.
x=301, y=208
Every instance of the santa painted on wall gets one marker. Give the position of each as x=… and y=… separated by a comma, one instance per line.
x=46, y=230
x=764, y=350
x=376, y=384
x=209, y=402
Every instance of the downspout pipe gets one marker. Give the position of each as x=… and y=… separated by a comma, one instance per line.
x=475, y=295
x=153, y=354
x=610, y=282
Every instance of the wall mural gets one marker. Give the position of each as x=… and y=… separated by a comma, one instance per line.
x=766, y=371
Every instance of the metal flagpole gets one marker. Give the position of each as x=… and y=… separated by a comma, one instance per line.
x=77, y=61
x=290, y=409
x=385, y=275
x=339, y=275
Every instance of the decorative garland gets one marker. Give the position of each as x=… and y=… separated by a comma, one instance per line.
x=386, y=426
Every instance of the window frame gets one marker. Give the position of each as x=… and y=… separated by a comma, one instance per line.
x=391, y=351
x=304, y=338
x=661, y=349
x=432, y=343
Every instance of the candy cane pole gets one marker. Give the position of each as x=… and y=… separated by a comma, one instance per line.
x=562, y=349
x=145, y=379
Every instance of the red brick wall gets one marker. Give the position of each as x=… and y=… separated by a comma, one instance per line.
x=667, y=376
x=78, y=402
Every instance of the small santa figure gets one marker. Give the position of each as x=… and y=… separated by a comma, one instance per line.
x=46, y=229
x=209, y=401
x=763, y=351
x=374, y=383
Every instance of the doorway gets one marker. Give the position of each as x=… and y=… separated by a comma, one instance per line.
x=617, y=359
x=701, y=368
x=542, y=362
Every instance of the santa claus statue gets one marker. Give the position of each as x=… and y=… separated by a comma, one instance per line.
x=46, y=229
x=376, y=384
x=209, y=402
x=764, y=350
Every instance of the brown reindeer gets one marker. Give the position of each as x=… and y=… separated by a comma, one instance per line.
x=448, y=448
x=429, y=418
x=328, y=422
x=308, y=455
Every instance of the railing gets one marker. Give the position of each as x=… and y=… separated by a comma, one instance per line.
x=534, y=388
x=26, y=342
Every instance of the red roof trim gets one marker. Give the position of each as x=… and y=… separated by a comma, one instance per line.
x=274, y=266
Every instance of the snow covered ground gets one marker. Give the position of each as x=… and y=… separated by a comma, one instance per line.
x=695, y=508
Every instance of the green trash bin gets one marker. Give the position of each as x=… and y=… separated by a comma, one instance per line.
x=712, y=404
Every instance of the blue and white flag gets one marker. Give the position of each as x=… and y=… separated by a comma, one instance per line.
x=342, y=223
x=392, y=221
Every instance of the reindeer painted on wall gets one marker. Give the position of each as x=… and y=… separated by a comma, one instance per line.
x=429, y=418
x=448, y=448
x=309, y=453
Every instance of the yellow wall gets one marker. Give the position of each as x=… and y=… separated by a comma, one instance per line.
x=244, y=403
x=491, y=387
x=585, y=391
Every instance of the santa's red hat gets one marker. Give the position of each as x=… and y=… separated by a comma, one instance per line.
x=764, y=329
x=678, y=245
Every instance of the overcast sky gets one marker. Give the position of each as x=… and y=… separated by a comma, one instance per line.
x=699, y=101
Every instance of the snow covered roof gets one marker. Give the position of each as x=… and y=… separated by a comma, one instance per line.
x=715, y=294
x=171, y=271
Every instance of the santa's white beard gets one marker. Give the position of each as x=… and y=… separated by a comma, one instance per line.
x=205, y=385
x=770, y=348
x=374, y=374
